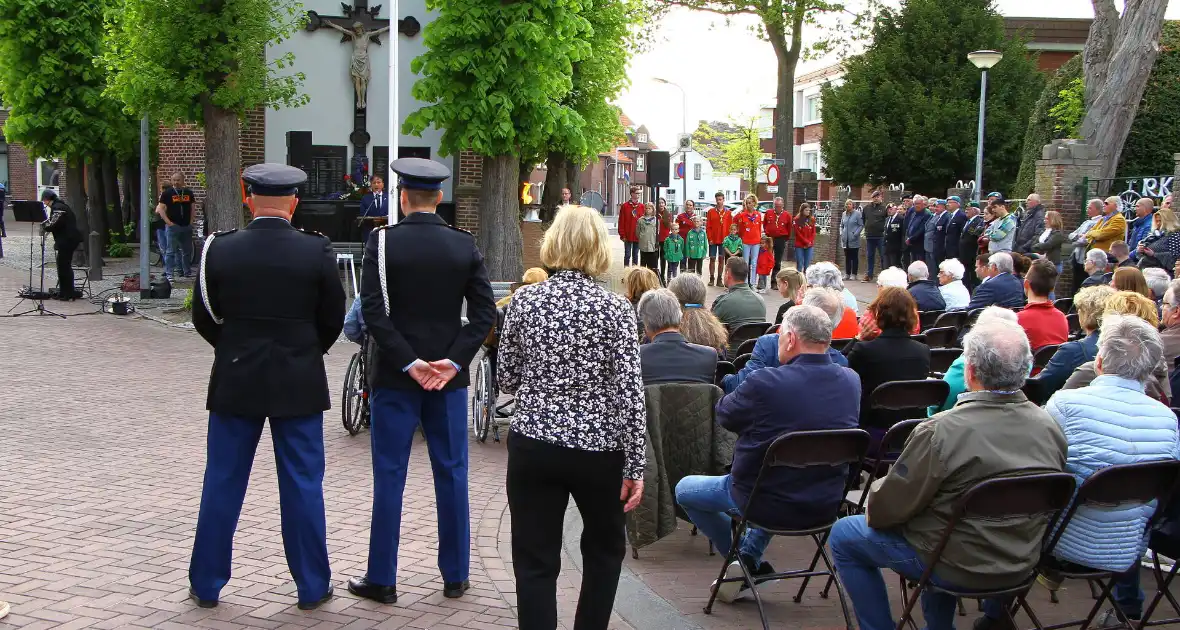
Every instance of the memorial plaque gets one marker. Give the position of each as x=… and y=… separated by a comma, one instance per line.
x=381, y=161
x=329, y=165
x=418, y=152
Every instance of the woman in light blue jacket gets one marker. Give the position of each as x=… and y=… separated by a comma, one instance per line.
x=1108, y=423
x=852, y=224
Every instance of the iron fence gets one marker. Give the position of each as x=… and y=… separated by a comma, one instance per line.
x=1129, y=190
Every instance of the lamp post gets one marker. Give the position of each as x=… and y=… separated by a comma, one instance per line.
x=683, y=129
x=984, y=60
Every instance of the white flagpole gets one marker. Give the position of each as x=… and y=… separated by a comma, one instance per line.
x=394, y=127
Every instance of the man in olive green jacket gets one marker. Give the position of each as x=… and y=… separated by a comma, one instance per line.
x=992, y=430
x=739, y=305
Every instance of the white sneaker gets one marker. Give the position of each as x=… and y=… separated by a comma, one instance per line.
x=729, y=592
x=1166, y=563
x=4, y=608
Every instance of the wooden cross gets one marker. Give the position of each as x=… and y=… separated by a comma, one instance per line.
x=360, y=11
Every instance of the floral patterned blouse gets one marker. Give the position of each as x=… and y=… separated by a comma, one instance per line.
x=570, y=353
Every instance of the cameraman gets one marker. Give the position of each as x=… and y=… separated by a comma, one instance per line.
x=63, y=225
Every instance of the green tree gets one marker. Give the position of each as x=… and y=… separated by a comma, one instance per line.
x=205, y=63
x=831, y=26
x=49, y=80
x=496, y=76
x=1042, y=126
x=908, y=107
x=709, y=138
x=597, y=80
x=741, y=151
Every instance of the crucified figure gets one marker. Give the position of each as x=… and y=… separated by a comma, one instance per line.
x=359, y=69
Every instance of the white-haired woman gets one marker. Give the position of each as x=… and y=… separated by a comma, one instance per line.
x=580, y=425
x=950, y=280
x=891, y=277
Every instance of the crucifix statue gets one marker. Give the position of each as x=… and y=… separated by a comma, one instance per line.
x=359, y=68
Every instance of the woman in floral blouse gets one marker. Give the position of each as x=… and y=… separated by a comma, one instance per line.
x=570, y=354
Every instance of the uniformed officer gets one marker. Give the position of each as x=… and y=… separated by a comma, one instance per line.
x=268, y=299
x=416, y=276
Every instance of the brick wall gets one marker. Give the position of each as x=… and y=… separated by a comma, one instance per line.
x=253, y=138
x=182, y=150
x=1058, y=181
x=22, y=172
x=467, y=186
x=812, y=133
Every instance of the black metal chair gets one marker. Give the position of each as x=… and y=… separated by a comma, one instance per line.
x=994, y=499
x=972, y=315
x=747, y=347
x=958, y=319
x=798, y=450
x=741, y=361
x=1168, y=546
x=942, y=337
x=909, y=398
x=724, y=368
x=1034, y=391
x=1065, y=305
x=1043, y=355
x=941, y=360
x=1112, y=486
x=841, y=344
x=927, y=319
x=1075, y=325
x=921, y=338
x=745, y=332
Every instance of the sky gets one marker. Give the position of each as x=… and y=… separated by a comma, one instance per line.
x=728, y=74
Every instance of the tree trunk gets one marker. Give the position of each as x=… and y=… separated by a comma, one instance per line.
x=94, y=197
x=223, y=160
x=1116, y=102
x=110, y=187
x=131, y=191
x=499, y=237
x=555, y=180
x=75, y=195
x=788, y=61
x=1099, y=44
x=573, y=177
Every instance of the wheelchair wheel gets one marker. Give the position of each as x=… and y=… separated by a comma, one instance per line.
x=483, y=402
x=353, y=406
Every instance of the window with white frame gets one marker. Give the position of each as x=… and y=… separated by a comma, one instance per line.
x=640, y=162
x=696, y=171
x=811, y=109
x=810, y=161
x=642, y=138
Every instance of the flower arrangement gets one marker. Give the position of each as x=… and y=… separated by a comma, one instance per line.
x=357, y=187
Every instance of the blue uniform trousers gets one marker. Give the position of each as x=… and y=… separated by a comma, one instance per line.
x=396, y=414
x=299, y=458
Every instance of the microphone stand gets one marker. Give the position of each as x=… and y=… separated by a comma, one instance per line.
x=36, y=297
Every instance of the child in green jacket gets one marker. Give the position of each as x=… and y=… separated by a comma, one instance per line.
x=732, y=243
x=673, y=253
x=697, y=247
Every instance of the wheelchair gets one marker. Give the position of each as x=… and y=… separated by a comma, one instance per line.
x=488, y=413
x=355, y=401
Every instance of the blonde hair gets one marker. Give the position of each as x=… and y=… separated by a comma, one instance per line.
x=1131, y=303
x=1090, y=302
x=577, y=240
x=1167, y=219
x=794, y=279
x=1053, y=218
x=751, y=197
x=637, y=281
x=534, y=276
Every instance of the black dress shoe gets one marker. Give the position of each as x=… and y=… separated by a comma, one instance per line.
x=319, y=602
x=202, y=603
x=362, y=587
x=455, y=589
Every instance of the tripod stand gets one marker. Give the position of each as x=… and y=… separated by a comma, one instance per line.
x=32, y=212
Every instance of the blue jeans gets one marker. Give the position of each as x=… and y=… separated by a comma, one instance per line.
x=180, y=248
x=162, y=242
x=875, y=249
x=630, y=253
x=750, y=255
x=860, y=552
x=803, y=257
x=708, y=502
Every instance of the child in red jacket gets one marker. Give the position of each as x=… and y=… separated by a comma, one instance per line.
x=765, y=263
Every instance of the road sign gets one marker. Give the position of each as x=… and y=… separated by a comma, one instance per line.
x=772, y=175
x=680, y=170
x=772, y=189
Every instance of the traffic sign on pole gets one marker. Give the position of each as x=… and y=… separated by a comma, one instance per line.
x=772, y=175
x=772, y=189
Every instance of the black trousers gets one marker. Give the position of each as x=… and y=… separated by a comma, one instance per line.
x=65, y=269
x=651, y=260
x=1079, y=275
x=852, y=260
x=694, y=265
x=541, y=479
x=893, y=258
x=780, y=249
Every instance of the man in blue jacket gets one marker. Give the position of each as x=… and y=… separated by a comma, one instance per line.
x=999, y=285
x=915, y=229
x=765, y=353
x=807, y=392
x=955, y=221
x=924, y=290
x=934, y=242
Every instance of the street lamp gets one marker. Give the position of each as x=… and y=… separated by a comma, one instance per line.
x=982, y=59
x=683, y=128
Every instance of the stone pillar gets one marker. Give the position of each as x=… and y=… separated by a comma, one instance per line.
x=802, y=185
x=1176, y=178
x=468, y=181
x=1060, y=171
x=961, y=193
x=832, y=250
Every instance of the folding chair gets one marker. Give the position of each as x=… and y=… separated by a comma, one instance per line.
x=951, y=318
x=995, y=499
x=920, y=338
x=1043, y=355
x=841, y=344
x=972, y=315
x=1065, y=305
x=797, y=450
x=747, y=347
x=724, y=368
x=908, y=399
x=1075, y=324
x=944, y=337
x=927, y=319
x=1034, y=391
x=941, y=360
x=1112, y=486
x=745, y=332
x=741, y=361
x=1168, y=546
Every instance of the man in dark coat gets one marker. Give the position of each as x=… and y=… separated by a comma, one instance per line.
x=935, y=241
x=956, y=219
x=875, y=215
x=1032, y=223
x=923, y=289
x=915, y=230
x=268, y=299
x=969, y=243
x=63, y=225
x=668, y=358
x=416, y=276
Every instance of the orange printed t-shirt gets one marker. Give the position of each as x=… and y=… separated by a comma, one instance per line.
x=716, y=225
x=750, y=227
